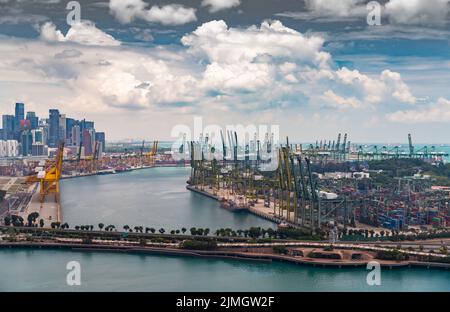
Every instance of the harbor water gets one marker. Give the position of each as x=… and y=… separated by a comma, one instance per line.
x=157, y=197
x=45, y=270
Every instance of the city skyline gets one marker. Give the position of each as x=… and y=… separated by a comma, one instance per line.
x=315, y=68
x=34, y=136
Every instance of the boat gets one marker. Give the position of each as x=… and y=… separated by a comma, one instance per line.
x=233, y=205
x=106, y=171
x=120, y=169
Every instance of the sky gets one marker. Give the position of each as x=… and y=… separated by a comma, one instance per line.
x=138, y=68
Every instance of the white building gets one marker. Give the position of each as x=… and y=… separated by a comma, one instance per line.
x=9, y=148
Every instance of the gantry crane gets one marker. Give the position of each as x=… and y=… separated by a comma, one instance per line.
x=48, y=178
x=152, y=154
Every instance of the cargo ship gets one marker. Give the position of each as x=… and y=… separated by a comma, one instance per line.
x=233, y=205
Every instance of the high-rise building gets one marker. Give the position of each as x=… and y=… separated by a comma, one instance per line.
x=87, y=142
x=20, y=111
x=33, y=119
x=38, y=136
x=70, y=123
x=53, y=130
x=100, y=137
x=8, y=127
x=62, y=127
x=76, y=135
x=9, y=148
x=19, y=115
x=26, y=142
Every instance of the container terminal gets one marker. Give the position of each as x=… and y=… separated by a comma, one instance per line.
x=332, y=185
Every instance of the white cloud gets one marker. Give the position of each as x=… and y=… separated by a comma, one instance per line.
x=334, y=100
x=375, y=89
x=418, y=12
x=241, y=71
x=342, y=8
x=219, y=43
x=219, y=5
x=435, y=112
x=397, y=12
x=83, y=32
x=126, y=11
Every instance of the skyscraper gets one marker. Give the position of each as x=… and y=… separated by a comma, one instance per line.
x=87, y=143
x=34, y=121
x=8, y=122
x=70, y=123
x=62, y=127
x=100, y=137
x=76, y=135
x=20, y=115
x=53, y=133
x=20, y=111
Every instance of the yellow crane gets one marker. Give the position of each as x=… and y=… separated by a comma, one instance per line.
x=48, y=178
x=152, y=154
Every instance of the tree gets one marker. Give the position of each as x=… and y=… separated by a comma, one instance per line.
x=100, y=226
x=172, y=232
x=126, y=227
x=177, y=231
x=183, y=230
x=152, y=230
x=7, y=221
x=162, y=231
x=77, y=227
x=206, y=232
x=193, y=231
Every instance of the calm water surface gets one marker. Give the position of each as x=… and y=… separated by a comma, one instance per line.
x=157, y=197
x=45, y=270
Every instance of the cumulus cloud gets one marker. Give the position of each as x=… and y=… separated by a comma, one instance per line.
x=334, y=100
x=83, y=32
x=251, y=61
x=418, y=12
x=126, y=11
x=343, y=8
x=257, y=68
x=435, y=112
x=219, y=5
x=375, y=89
x=397, y=12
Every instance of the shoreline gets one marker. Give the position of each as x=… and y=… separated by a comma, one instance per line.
x=222, y=254
x=251, y=210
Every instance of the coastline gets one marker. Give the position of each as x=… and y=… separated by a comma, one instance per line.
x=222, y=254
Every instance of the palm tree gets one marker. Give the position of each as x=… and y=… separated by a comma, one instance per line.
x=193, y=231
x=183, y=230
x=126, y=228
x=152, y=230
x=161, y=230
x=100, y=226
x=77, y=227
x=177, y=231
x=206, y=232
